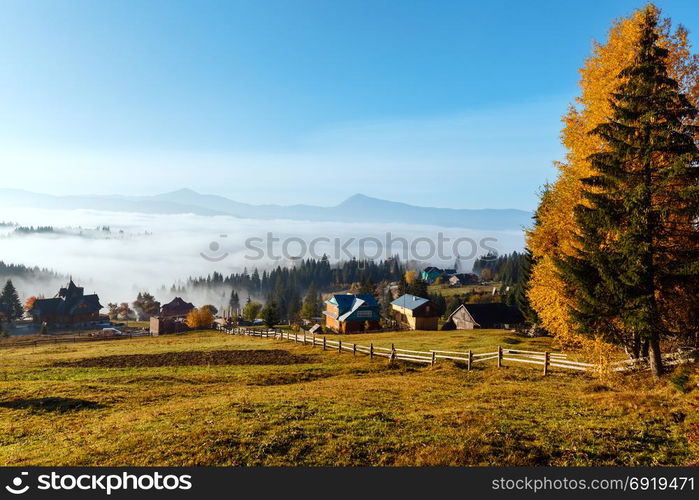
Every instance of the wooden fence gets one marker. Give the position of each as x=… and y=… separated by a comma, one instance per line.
x=679, y=357
x=546, y=360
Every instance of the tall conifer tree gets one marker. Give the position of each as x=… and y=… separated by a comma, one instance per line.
x=10, y=305
x=638, y=242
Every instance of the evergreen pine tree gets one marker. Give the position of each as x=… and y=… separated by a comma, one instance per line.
x=234, y=302
x=402, y=286
x=638, y=242
x=366, y=286
x=10, y=306
x=270, y=314
x=521, y=288
x=311, y=303
x=418, y=288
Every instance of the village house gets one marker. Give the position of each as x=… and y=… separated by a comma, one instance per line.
x=348, y=313
x=415, y=313
x=430, y=274
x=461, y=279
x=71, y=307
x=172, y=317
x=159, y=326
x=455, y=281
x=494, y=315
x=176, y=308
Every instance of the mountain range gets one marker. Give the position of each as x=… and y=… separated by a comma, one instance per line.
x=357, y=208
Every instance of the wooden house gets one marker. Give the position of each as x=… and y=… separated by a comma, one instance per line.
x=455, y=281
x=159, y=326
x=69, y=308
x=176, y=308
x=415, y=313
x=430, y=274
x=462, y=279
x=349, y=313
x=495, y=315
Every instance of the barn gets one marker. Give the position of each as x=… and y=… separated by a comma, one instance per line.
x=492, y=316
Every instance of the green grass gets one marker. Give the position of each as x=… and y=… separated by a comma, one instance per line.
x=331, y=409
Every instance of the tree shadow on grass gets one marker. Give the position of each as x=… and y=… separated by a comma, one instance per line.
x=51, y=404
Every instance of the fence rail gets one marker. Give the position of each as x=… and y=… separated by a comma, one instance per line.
x=544, y=359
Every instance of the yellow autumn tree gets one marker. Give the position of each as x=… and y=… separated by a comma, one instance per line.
x=200, y=318
x=553, y=236
x=410, y=277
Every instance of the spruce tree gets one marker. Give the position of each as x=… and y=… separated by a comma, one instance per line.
x=638, y=241
x=270, y=315
x=311, y=303
x=521, y=288
x=234, y=301
x=402, y=286
x=366, y=286
x=10, y=305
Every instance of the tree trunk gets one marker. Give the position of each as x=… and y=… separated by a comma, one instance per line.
x=636, y=346
x=656, y=361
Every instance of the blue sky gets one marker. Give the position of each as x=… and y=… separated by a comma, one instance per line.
x=433, y=103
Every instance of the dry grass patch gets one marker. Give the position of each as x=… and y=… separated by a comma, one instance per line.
x=338, y=410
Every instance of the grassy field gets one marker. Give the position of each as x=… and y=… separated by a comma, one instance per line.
x=453, y=340
x=205, y=398
x=448, y=291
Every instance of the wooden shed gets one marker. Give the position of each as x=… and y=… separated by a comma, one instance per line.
x=493, y=315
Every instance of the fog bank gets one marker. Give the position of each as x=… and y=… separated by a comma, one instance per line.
x=142, y=252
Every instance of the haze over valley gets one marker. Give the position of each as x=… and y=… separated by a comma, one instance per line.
x=119, y=253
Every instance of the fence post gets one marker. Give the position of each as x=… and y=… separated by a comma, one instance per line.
x=354, y=349
x=313, y=340
x=546, y=363
x=499, y=356
x=339, y=346
x=434, y=358
x=470, y=359
x=304, y=337
x=371, y=351
x=393, y=354
x=324, y=342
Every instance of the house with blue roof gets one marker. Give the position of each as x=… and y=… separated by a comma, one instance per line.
x=431, y=273
x=351, y=313
x=415, y=313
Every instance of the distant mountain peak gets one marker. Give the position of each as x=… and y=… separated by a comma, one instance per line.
x=357, y=199
x=181, y=192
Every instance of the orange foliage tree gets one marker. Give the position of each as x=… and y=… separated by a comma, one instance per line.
x=200, y=318
x=29, y=303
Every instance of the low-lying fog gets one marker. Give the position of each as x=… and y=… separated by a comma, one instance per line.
x=157, y=250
